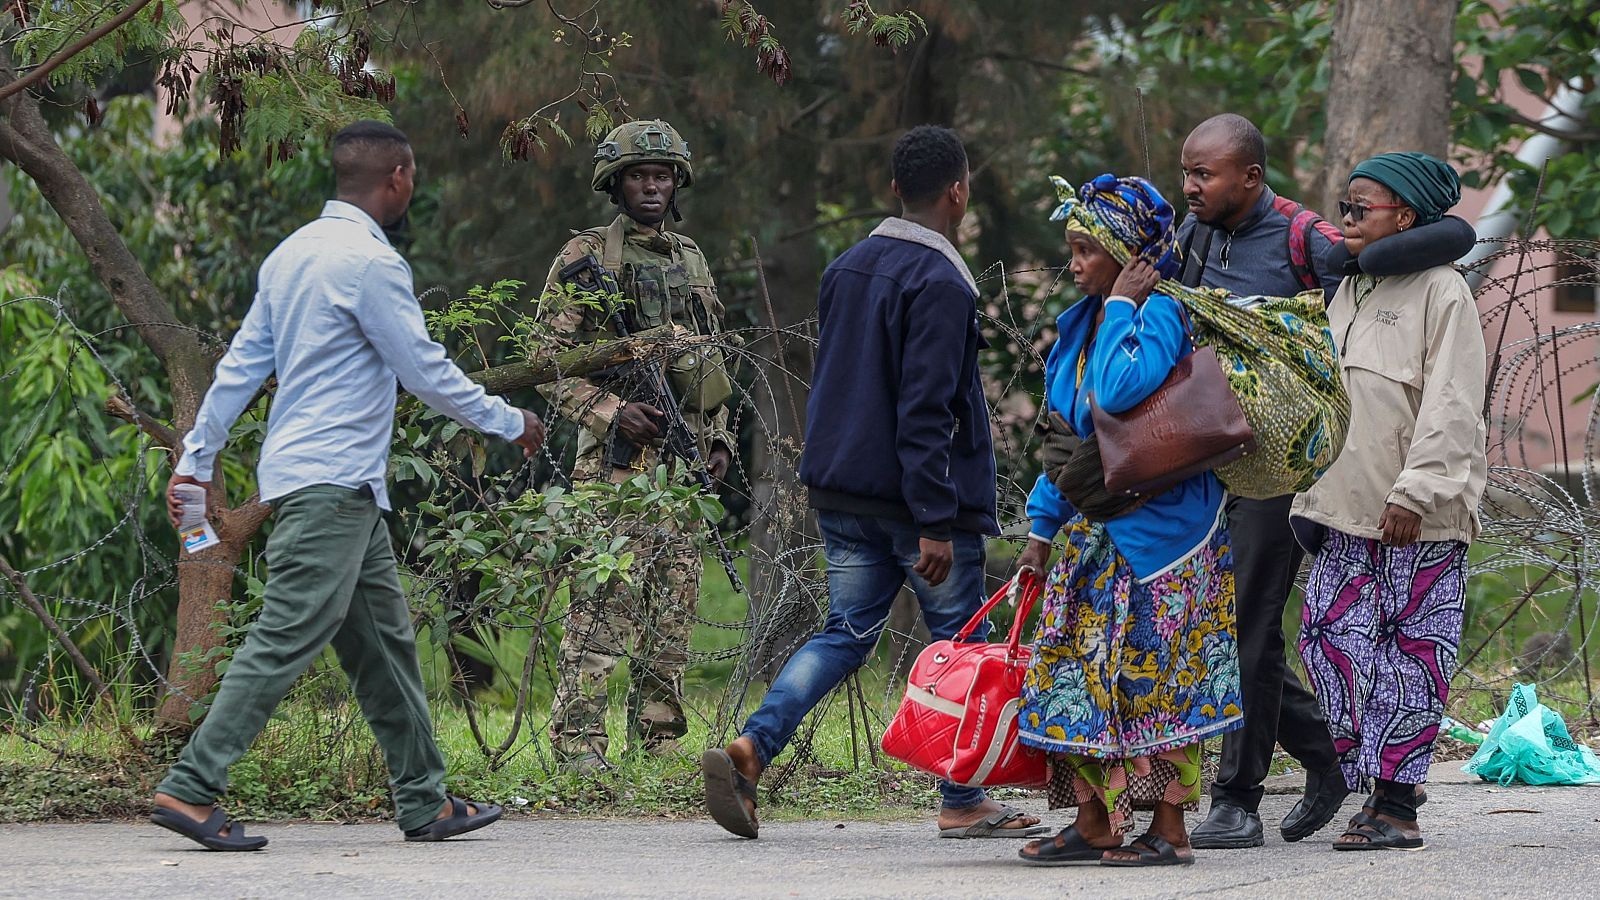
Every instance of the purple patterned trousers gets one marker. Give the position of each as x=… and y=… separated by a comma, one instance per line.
x=1379, y=638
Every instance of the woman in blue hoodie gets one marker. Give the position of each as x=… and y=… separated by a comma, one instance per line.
x=1135, y=661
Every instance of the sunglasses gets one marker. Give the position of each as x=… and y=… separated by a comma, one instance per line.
x=1358, y=211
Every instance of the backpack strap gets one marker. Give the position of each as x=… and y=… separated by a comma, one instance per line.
x=1299, y=244
x=612, y=255
x=1191, y=274
x=1302, y=224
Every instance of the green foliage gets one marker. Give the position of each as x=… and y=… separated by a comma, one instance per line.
x=525, y=547
x=153, y=34
x=1532, y=48
x=203, y=260
x=893, y=30
x=70, y=477
x=1265, y=59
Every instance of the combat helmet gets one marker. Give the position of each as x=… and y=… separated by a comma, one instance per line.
x=643, y=141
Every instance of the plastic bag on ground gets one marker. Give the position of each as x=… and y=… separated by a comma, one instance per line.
x=1530, y=744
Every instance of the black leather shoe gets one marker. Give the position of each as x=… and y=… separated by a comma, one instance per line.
x=1325, y=793
x=1228, y=828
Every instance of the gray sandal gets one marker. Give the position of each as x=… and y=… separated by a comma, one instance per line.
x=460, y=821
x=993, y=826
x=726, y=792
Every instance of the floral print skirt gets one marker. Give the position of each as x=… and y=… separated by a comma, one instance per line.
x=1126, y=667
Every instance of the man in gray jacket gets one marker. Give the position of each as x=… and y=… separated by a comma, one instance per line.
x=1241, y=236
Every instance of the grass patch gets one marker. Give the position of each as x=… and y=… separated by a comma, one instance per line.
x=320, y=763
x=317, y=759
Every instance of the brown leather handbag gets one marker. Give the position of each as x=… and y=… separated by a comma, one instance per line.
x=1191, y=424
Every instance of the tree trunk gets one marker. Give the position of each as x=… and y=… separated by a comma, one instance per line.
x=205, y=579
x=26, y=141
x=1391, y=67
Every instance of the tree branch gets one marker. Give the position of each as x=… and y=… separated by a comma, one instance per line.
x=582, y=360
x=27, y=142
x=41, y=71
x=121, y=407
x=1040, y=64
x=876, y=212
x=1565, y=134
x=79, y=662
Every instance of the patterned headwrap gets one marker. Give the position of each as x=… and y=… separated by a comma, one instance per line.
x=1127, y=216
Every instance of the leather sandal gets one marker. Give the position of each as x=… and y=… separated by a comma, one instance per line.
x=1379, y=835
x=460, y=820
x=1153, y=850
x=1072, y=850
x=208, y=834
x=727, y=790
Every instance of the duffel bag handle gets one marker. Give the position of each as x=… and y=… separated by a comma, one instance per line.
x=1026, y=584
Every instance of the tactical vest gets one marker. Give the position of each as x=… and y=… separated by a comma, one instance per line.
x=667, y=291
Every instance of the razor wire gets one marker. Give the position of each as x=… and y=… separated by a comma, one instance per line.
x=1539, y=539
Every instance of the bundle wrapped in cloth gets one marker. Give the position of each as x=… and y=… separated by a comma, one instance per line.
x=1282, y=363
x=1277, y=352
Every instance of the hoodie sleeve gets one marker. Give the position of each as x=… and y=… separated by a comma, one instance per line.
x=1328, y=257
x=1135, y=350
x=1047, y=509
x=939, y=321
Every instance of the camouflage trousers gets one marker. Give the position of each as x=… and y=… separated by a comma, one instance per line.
x=648, y=623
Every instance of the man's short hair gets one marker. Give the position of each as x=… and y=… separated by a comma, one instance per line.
x=927, y=160
x=1243, y=137
x=365, y=152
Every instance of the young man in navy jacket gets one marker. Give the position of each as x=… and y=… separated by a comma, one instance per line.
x=899, y=465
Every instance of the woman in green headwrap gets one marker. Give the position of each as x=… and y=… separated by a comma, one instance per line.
x=1390, y=521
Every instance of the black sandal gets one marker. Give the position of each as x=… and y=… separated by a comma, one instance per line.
x=726, y=792
x=1071, y=851
x=1380, y=835
x=208, y=834
x=1156, y=851
x=460, y=821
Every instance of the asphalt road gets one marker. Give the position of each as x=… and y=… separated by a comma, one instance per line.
x=1485, y=841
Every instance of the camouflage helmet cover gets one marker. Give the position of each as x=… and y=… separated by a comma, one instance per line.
x=642, y=141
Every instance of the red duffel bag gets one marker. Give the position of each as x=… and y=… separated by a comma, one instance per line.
x=959, y=716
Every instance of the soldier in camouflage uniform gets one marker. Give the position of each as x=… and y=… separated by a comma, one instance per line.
x=664, y=278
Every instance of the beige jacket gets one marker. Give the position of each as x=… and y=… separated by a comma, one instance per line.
x=1412, y=358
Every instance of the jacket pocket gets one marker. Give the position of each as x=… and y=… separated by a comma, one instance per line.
x=1385, y=350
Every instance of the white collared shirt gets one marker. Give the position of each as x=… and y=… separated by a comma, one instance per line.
x=336, y=317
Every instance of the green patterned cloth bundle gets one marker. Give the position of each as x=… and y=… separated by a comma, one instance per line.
x=1282, y=363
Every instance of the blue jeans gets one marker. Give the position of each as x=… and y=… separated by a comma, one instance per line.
x=869, y=558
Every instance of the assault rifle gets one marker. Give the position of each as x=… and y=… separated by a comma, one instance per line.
x=588, y=275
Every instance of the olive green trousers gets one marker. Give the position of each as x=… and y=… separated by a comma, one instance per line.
x=332, y=578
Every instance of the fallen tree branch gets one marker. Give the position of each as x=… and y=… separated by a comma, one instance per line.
x=582, y=360
x=576, y=362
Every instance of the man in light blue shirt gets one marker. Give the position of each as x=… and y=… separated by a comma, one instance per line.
x=337, y=319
